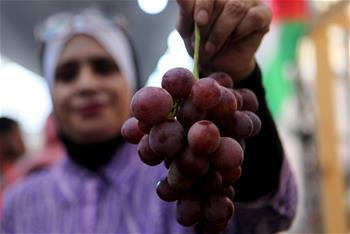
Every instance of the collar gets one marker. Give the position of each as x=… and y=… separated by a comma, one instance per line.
x=73, y=180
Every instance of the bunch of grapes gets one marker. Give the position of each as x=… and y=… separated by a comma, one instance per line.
x=197, y=127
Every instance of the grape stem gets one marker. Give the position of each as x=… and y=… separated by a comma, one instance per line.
x=196, y=51
x=178, y=103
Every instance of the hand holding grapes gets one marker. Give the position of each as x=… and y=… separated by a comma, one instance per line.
x=231, y=32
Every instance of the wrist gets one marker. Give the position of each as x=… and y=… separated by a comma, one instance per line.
x=254, y=82
x=240, y=73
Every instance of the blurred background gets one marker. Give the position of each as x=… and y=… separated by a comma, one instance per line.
x=305, y=59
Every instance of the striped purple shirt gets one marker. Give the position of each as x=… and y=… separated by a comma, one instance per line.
x=122, y=199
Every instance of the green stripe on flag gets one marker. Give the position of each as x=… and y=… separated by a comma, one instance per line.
x=276, y=82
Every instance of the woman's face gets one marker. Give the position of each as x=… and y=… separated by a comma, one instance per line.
x=91, y=97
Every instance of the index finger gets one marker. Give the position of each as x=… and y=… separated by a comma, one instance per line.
x=202, y=11
x=185, y=22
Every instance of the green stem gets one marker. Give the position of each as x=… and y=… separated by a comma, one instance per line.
x=178, y=103
x=196, y=51
x=176, y=106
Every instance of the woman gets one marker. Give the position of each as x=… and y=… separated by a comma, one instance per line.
x=91, y=78
x=103, y=187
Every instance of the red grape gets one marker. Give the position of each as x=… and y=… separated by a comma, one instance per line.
x=223, y=79
x=131, y=131
x=146, y=153
x=256, y=122
x=241, y=126
x=228, y=155
x=225, y=109
x=145, y=127
x=250, y=101
x=218, y=208
x=192, y=165
x=206, y=93
x=177, y=180
x=178, y=82
x=231, y=176
x=167, y=138
x=228, y=191
x=165, y=192
x=151, y=105
x=206, y=227
x=210, y=182
x=188, y=211
x=188, y=114
x=239, y=99
x=203, y=137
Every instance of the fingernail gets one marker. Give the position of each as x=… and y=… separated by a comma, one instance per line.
x=210, y=47
x=202, y=17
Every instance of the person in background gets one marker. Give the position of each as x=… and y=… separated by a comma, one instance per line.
x=51, y=152
x=12, y=150
x=102, y=186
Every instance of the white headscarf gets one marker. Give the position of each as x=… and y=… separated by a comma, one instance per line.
x=92, y=23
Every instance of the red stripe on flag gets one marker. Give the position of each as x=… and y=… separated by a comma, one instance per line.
x=288, y=10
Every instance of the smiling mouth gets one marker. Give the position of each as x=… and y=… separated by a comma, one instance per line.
x=91, y=110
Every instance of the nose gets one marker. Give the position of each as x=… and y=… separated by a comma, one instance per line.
x=87, y=82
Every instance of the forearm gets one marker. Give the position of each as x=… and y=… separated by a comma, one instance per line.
x=263, y=153
x=272, y=213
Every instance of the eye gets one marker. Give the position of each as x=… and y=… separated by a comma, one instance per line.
x=104, y=66
x=67, y=71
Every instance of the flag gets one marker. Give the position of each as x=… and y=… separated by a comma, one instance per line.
x=289, y=16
